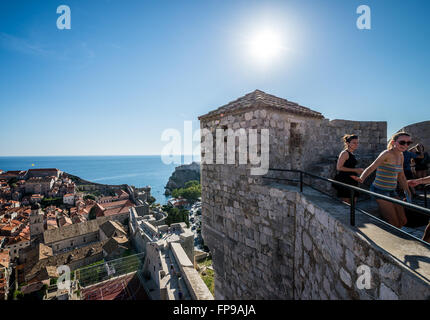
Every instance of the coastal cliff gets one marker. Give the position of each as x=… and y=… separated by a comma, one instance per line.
x=181, y=175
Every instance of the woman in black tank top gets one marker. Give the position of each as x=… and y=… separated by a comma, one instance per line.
x=346, y=164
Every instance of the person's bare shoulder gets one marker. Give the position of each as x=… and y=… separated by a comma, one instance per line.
x=385, y=154
x=344, y=153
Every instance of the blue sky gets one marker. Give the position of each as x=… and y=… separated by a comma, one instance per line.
x=128, y=70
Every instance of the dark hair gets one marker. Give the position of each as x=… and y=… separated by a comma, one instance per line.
x=348, y=138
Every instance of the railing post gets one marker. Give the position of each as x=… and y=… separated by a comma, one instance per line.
x=301, y=181
x=425, y=196
x=352, y=208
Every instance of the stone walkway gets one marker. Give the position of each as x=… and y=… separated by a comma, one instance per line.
x=408, y=251
x=173, y=284
x=371, y=206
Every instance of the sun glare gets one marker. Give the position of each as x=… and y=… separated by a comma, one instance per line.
x=265, y=45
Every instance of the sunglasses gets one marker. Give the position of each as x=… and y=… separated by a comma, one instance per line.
x=402, y=143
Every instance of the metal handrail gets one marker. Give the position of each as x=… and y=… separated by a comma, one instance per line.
x=353, y=190
x=425, y=194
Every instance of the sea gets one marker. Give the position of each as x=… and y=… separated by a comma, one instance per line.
x=139, y=171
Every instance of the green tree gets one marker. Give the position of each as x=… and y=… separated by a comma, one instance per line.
x=92, y=214
x=12, y=182
x=192, y=183
x=176, y=193
x=174, y=215
x=191, y=192
x=46, y=202
x=89, y=196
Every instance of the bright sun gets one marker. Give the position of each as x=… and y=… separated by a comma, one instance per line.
x=265, y=45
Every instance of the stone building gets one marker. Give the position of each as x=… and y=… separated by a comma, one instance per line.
x=48, y=172
x=117, y=209
x=115, y=247
x=169, y=252
x=16, y=244
x=139, y=195
x=77, y=235
x=36, y=221
x=14, y=174
x=35, y=253
x=111, y=229
x=69, y=199
x=145, y=229
x=5, y=271
x=4, y=282
x=272, y=242
x=39, y=185
x=44, y=268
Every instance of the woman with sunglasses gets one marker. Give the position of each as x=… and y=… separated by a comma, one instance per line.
x=346, y=167
x=389, y=170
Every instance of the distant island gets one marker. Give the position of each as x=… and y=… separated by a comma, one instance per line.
x=182, y=175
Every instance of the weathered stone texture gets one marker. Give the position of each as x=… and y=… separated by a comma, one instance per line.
x=420, y=133
x=269, y=243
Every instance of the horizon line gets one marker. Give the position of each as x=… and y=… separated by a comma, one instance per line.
x=97, y=155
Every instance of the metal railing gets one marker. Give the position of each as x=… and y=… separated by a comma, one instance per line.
x=352, y=204
x=427, y=186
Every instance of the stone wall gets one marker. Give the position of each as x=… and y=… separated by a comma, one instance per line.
x=328, y=253
x=325, y=138
x=253, y=229
x=69, y=244
x=297, y=142
x=292, y=247
x=248, y=235
x=420, y=133
x=195, y=285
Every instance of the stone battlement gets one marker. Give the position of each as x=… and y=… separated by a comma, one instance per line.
x=272, y=242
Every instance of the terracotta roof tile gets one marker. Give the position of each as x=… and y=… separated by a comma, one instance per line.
x=260, y=99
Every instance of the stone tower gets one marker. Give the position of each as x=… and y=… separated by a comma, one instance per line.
x=36, y=221
x=250, y=231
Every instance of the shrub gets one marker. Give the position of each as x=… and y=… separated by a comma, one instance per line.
x=18, y=295
x=89, y=196
x=192, y=191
